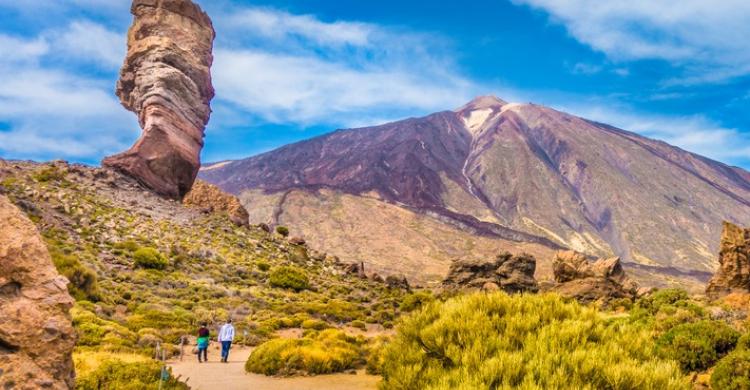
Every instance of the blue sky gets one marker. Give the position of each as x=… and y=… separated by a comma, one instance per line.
x=287, y=70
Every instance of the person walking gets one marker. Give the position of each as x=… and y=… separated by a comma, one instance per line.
x=203, y=340
x=226, y=336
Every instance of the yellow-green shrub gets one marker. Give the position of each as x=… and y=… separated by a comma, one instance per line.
x=149, y=258
x=495, y=340
x=289, y=277
x=416, y=300
x=732, y=372
x=697, y=346
x=314, y=324
x=326, y=352
x=94, y=331
x=116, y=374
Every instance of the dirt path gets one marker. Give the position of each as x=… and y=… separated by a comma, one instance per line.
x=232, y=376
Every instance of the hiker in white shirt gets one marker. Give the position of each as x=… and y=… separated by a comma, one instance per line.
x=226, y=336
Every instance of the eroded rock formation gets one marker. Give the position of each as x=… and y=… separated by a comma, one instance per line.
x=586, y=281
x=733, y=274
x=166, y=81
x=211, y=198
x=509, y=273
x=36, y=333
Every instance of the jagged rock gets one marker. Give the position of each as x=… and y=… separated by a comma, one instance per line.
x=733, y=274
x=166, y=81
x=399, y=282
x=507, y=272
x=297, y=241
x=377, y=278
x=586, y=281
x=356, y=269
x=212, y=199
x=36, y=333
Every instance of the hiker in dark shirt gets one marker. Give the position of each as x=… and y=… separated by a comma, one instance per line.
x=203, y=339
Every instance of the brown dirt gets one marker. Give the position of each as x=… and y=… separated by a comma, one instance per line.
x=232, y=376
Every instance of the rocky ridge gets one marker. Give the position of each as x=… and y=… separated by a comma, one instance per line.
x=166, y=81
x=36, y=333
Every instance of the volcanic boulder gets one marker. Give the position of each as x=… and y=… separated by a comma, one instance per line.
x=166, y=81
x=586, y=281
x=36, y=333
x=211, y=198
x=510, y=273
x=734, y=263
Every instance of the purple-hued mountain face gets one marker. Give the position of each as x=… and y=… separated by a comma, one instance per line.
x=526, y=173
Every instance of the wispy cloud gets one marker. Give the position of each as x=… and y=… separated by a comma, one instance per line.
x=704, y=38
x=299, y=69
x=51, y=111
x=695, y=133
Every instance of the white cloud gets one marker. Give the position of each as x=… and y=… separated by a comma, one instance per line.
x=279, y=25
x=695, y=133
x=706, y=38
x=299, y=69
x=52, y=112
x=86, y=41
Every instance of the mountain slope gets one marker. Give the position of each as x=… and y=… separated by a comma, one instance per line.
x=522, y=173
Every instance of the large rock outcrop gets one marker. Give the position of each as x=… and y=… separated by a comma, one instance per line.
x=734, y=263
x=166, y=81
x=586, y=281
x=507, y=272
x=211, y=198
x=36, y=333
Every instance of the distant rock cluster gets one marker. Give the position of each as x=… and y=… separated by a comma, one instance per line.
x=575, y=276
x=733, y=274
x=587, y=281
x=36, y=332
x=166, y=81
x=506, y=272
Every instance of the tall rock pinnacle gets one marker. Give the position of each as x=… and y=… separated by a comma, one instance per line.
x=734, y=263
x=166, y=81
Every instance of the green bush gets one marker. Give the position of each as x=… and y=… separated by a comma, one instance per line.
x=314, y=324
x=323, y=353
x=119, y=375
x=83, y=281
x=358, y=324
x=263, y=265
x=149, y=258
x=335, y=310
x=289, y=277
x=96, y=332
x=732, y=372
x=665, y=309
x=697, y=346
x=415, y=300
x=486, y=341
x=283, y=230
